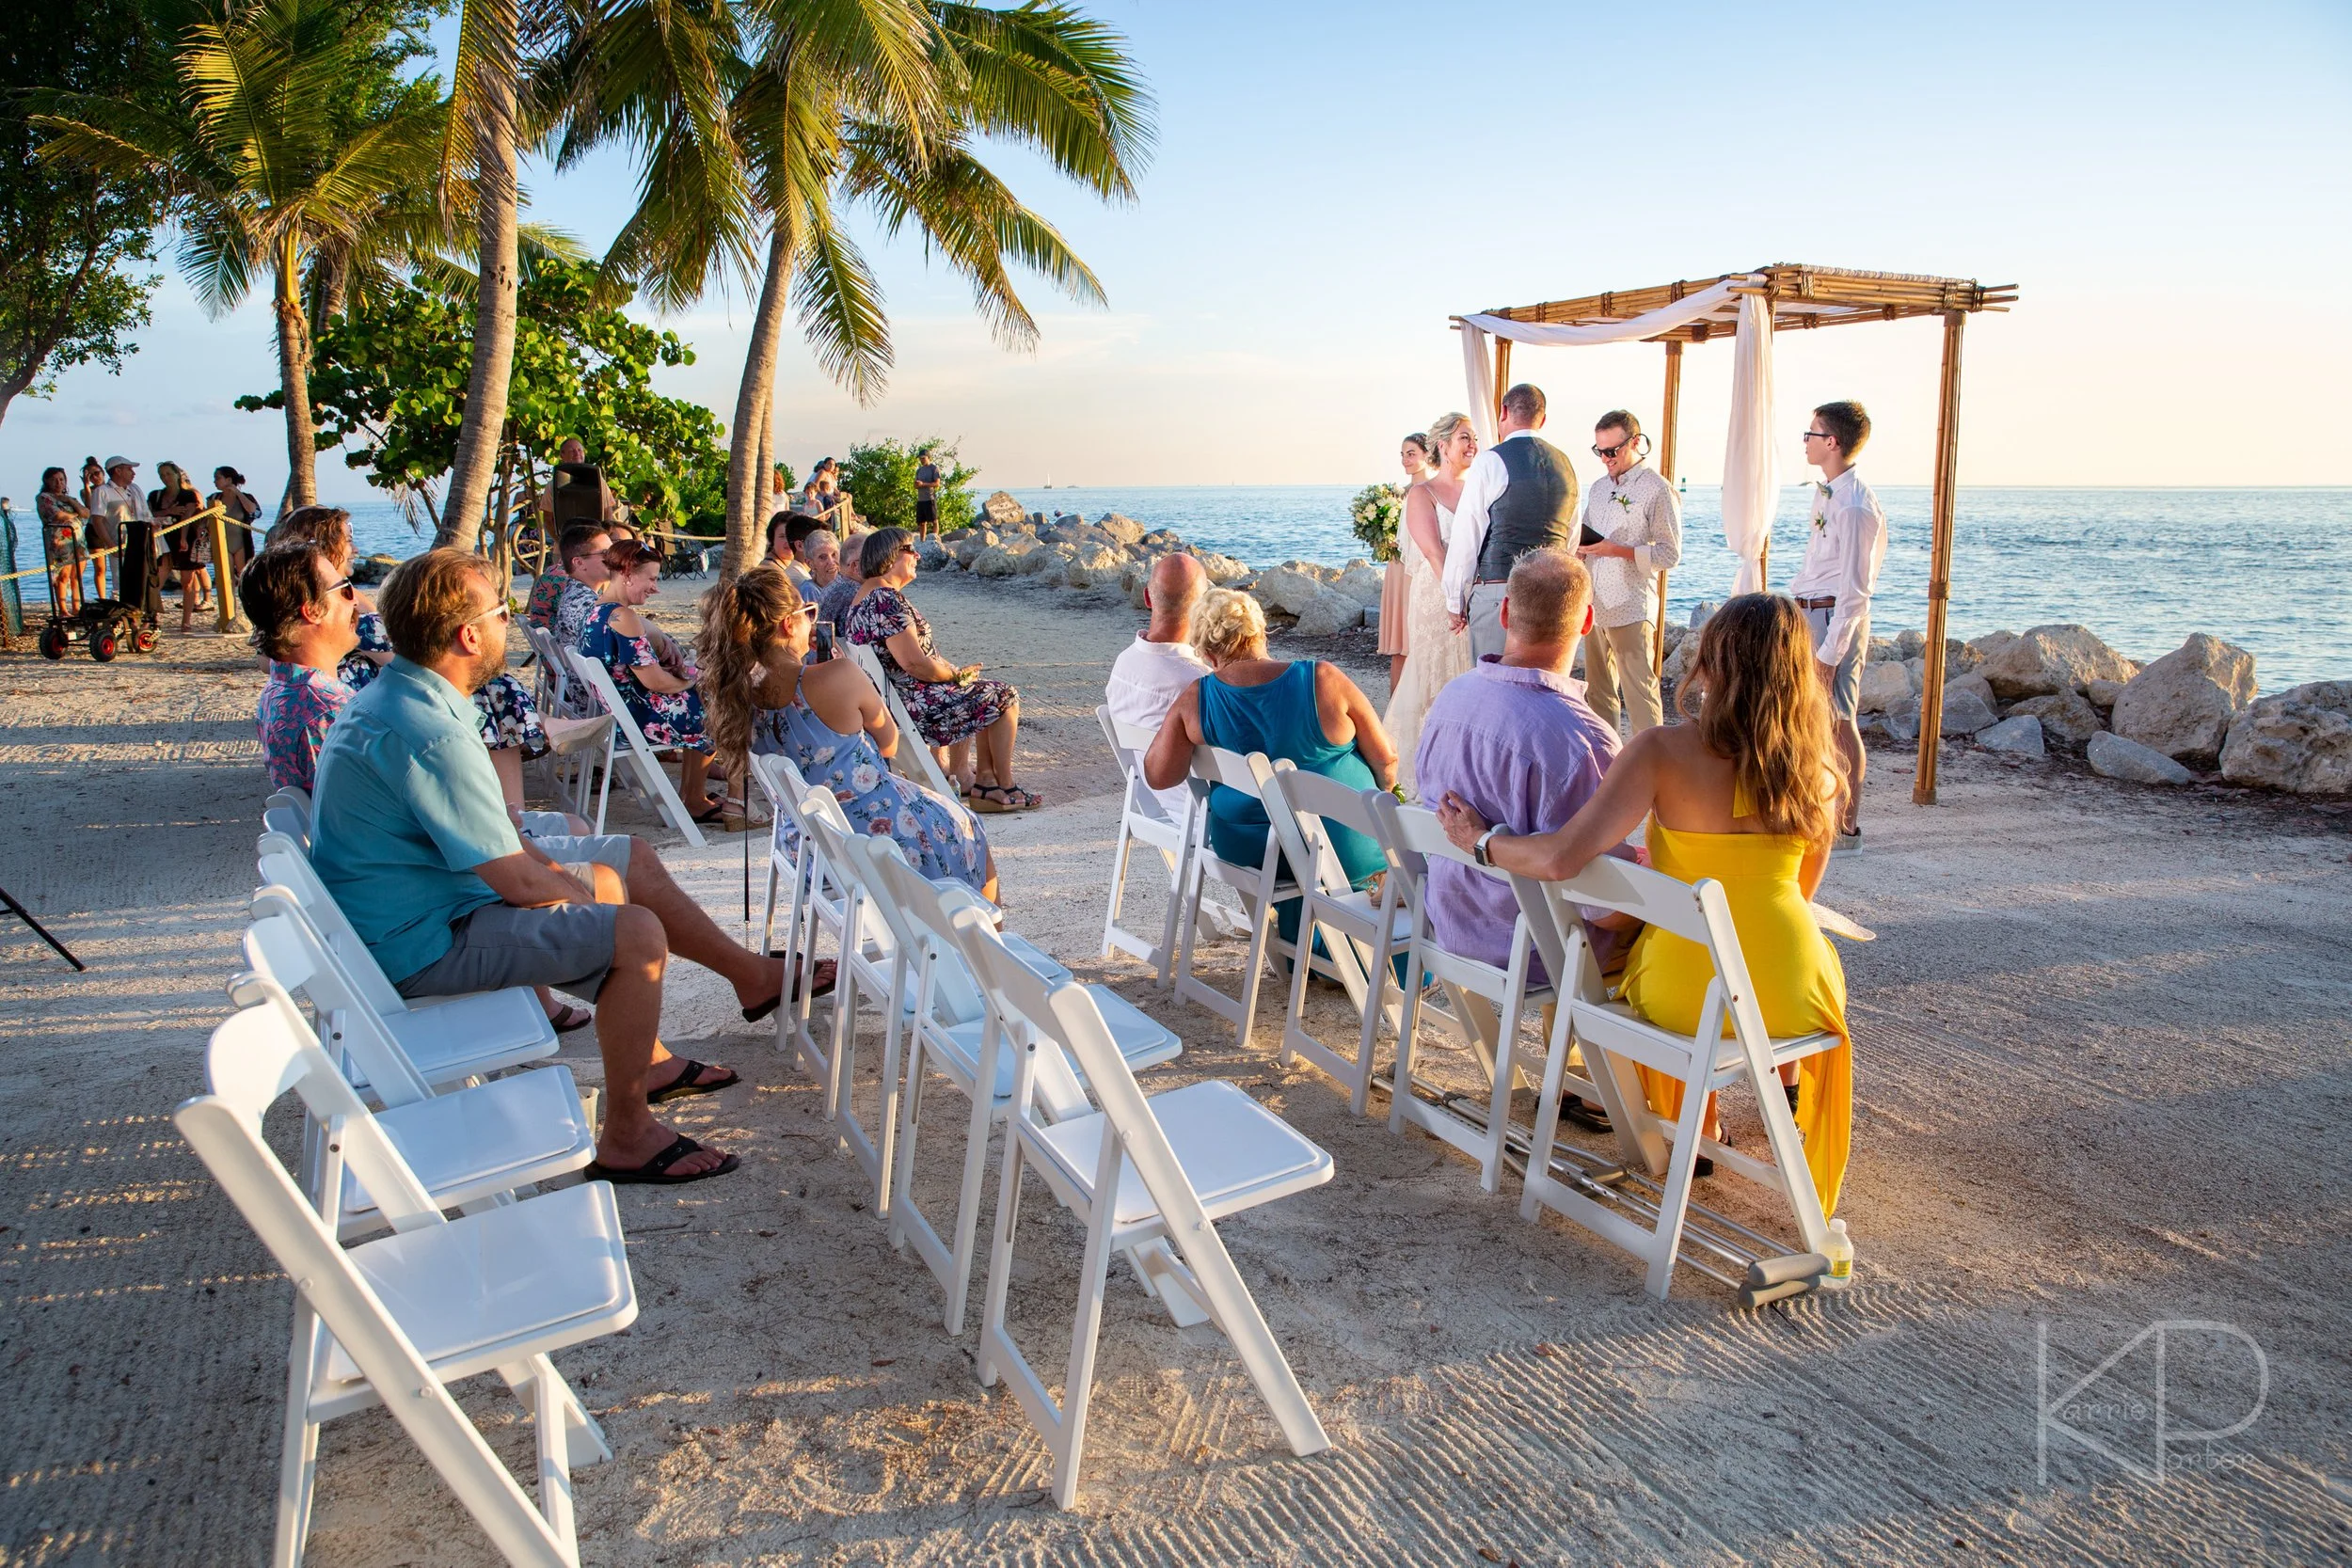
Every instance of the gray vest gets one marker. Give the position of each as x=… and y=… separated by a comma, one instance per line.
x=1537, y=510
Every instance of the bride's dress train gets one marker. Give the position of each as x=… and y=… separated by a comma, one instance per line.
x=1434, y=653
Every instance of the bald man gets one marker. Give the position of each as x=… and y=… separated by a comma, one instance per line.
x=1155, y=668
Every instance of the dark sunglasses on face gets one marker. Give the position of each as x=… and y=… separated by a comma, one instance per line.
x=343, y=588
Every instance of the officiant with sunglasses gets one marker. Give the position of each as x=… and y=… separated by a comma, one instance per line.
x=1639, y=523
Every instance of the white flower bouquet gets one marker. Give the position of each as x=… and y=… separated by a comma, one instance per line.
x=1374, y=515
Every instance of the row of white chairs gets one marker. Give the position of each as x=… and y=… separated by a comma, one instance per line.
x=1053, y=1063
x=570, y=683
x=1641, y=1199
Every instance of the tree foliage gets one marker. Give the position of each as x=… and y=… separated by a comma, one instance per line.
x=881, y=476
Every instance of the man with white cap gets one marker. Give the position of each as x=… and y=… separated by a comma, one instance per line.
x=122, y=505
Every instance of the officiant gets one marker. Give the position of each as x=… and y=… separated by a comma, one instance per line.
x=1634, y=511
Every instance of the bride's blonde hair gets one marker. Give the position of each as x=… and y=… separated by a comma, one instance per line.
x=1757, y=700
x=1443, y=429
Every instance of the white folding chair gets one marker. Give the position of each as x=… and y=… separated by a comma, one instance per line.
x=400, y=1319
x=1490, y=1003
x=645, y=768
x=297, y=802
x=869, y=962
x=915, y=759
x=816, y=902
x=1647, y=1209
x=1362, y=934
x=1143, y=819
x=957, y=1037
x=1257, y=887
x=1137, y=1172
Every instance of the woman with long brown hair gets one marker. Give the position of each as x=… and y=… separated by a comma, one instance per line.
x=763, y=699
x=1747, y=792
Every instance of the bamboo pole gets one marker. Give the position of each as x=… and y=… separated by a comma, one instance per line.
x=224, y=579
x=1503, y=373
x=1669, y=427
x=1940, y=568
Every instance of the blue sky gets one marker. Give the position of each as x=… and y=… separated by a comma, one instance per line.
x=2168, y=185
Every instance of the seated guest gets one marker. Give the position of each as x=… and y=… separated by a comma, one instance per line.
x=818, y=557
x=652, y=672
x=946, y=702
x=1749, y=794
x=304, y=615
x=829, y=721
x=1305, y=711
x=1159, y=666
x=583, y=564
x=510, y=720
x=62, y=519
x=833, y=604
x=547, y=589
x=410, y=836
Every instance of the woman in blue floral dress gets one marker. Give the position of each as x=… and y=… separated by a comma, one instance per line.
x=946, y=704
x=829, y=721
x=654, y=674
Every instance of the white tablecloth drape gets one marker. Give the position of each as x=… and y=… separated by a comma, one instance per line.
x=1479, y=371
x=1751, y=462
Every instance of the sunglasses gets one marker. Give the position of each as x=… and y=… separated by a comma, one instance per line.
x=344, y=588
x=1605, y=453
x=503, y=610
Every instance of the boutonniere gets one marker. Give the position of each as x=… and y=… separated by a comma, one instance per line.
x=1622, y=499
x=1820, y=504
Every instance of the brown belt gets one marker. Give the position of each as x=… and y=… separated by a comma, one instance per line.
x=1830, y=603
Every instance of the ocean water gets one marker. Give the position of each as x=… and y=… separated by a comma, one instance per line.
x=2266, y=569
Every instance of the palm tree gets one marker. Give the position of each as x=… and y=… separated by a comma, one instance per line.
x=287, y=146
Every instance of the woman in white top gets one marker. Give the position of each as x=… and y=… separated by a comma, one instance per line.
x=1434, y=653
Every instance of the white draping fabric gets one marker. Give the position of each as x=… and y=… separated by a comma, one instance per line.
x=1633, y=330
x=1751, y=463
x=1479, y=371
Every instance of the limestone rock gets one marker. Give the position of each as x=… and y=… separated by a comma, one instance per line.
x=1224, y=571
x=1885, y=685
x=1901, y=719
x=1094, y=564
x=1959, y=657
x=1976, y=685
x=1882, y=649
x=968, y=545
x=2065, y=716
x=1965, y=711
x=1126, y=531
x=1137, y=592
x=1163, y=539
x=1987, y=646
x=1910, y=643
x=932, y=555
x=995, y=562
x=2052, y=658
x=2114, y=757
x=2103, y=693
x=2301, y=740
x=2019, y=736
x=2183, y=703
x=1288, y=589
x=1330, y=611
x=1700, y=611
x=1002, y=511
x=1361, y=583
x=1048, y=557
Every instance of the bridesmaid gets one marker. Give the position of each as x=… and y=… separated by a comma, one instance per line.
x=1414, y=456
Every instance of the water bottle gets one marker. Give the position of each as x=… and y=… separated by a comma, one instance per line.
x=1838, y=1249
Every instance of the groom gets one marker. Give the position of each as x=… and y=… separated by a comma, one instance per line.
x=1518, y=496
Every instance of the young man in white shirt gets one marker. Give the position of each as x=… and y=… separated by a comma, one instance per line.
x=1634, y=510
x=1844, y=549
x=1154, y=670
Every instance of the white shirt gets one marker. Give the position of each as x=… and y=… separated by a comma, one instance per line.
x=1844, y=548
x=1639, y=510
x=1481, y=489
x=1146, y=680
x=120, y=503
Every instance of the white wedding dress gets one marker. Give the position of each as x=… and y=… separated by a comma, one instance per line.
x=1434, y=653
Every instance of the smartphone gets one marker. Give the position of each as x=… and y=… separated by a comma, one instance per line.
x=820, y=643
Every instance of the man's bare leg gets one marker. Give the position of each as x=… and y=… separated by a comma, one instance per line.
x=1852, y=761
x=694, y=936
x=628, y=1018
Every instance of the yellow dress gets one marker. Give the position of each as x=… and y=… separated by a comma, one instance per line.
x=1800, y=984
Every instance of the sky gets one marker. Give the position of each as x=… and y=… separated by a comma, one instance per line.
x=2170, y=187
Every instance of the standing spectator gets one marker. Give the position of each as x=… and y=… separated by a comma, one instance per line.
x=576, y=492
x=98, y=529
x=651, y=671
x=1634, y=509
x=1414, y=456
x=131, y=530
x=304, y=616
x=241, y=510
x=1159, y=666
x=1843, y=551
x=1520, y=495
x=188, y=549
x=62, y=519
x=927, y=496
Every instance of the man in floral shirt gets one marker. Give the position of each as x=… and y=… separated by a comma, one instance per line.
x=305, y=619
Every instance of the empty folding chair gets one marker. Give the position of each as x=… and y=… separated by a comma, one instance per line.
x=1143, y=819
x=645, y=768
x=296, y=802
x=1644, y=1205
x=917, y=758
x=1361, y=932
x=1259, y=888
x=869, y=964
x=399, y=1320
x=817, y=903
x=956, y=1035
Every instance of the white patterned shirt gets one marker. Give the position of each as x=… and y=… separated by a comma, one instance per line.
x=1639, y=510
x=1845, y=544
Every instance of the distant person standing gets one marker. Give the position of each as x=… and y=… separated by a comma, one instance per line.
x=1634, y=509
x=62, y=520
x=927, y=496
x=130, y=525
x=1518, y=496
x=1396, y=592
x=577, y=492
x=187, y=549
x=1843, y=551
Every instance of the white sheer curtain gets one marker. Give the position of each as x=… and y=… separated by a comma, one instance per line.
x=1479, y=371
x=1751, y=462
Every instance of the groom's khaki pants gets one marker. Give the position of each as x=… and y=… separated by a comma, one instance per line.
x=1617, y=659
x=1484, y=604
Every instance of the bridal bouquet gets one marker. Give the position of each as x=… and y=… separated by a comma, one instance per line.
x=1374, y=515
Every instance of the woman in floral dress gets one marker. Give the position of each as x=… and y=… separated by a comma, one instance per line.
x=654, y=674
x=829, y=721
x=947, y=702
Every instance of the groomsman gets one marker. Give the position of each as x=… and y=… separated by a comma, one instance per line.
x=1634, y=509
x=1843, y=551
x=1518, y=496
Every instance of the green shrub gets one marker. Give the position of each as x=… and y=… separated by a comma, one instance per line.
x=881, y=476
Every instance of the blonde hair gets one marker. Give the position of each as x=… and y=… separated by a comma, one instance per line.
x=1228, y=625
x=1443, y=429
x=742, y=624
x=1756, y=698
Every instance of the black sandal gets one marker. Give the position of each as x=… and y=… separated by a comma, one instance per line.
x=1590, y=1118
x=656, y=1171
x=1002, y=799
x=828, y=975
x=570, y=1019
x=691, y=1082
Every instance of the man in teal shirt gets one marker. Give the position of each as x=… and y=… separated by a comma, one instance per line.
x=412, y=834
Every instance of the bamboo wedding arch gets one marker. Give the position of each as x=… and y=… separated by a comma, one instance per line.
x=1799, y=298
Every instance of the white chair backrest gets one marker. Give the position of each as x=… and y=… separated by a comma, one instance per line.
x=1295, y=802
x=657, y=783
x=286, y=950
x=1021, y=1006
x=922, y=912
x=284, y=864
x=287, y=823
x=1216, y=766
x=1128, y=743
x=912, y=748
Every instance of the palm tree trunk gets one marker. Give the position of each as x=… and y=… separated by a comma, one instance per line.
x=478, y=442
x=765, y=476
x=747, y=488
x=293, y=376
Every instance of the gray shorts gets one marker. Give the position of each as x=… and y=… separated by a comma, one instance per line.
x=1845, y=686
x=545, y=824
x=568, y=946
x=606, y=850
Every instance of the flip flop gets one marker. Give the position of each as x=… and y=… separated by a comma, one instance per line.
x=828, y=974
x=656, y=1171
x=692, y=1082
x=570, y=1019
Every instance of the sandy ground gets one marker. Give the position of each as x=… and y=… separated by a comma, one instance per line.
x=2102, y=1064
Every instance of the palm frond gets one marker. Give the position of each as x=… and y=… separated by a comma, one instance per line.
x=840, y=306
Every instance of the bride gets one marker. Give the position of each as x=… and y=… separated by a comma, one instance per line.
x=1434, y=653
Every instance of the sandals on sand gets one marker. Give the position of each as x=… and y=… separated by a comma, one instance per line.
x=698, y=1078
x=995, y=799
x=570, y=1019
x=656, y=1171
x=828, y=974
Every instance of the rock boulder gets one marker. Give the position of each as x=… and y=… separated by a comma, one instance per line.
x=2018, y=737
x=2183, y=703
x=968, y=546
x=2115, y=757
x=1288, y=589
x=1002, y=511
x=2050, y=659
x=1965, y=709
x=1884, y=684
x=1223, y=570
x=2065, y=716
x=1361, y=583
x=1126, y=531
x=1093, y=565
x=1329, y=613
x=2300, y=740
x=2103, y=693
x=994, y=562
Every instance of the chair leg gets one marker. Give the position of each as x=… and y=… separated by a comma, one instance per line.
x=299, y=1453
x=1295, y=1017
x=1673, y=1203
x=1253, y=970
x=1118, y=885
x=1084, y=1336
x=1168, y=921
x=968, y=1207
x=1000, y=1254
x=555, y=1469
x=1401, y=1083
x=1498, y=1095
x=886, y=1121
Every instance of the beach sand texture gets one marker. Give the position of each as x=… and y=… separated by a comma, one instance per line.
x=2103, y=1067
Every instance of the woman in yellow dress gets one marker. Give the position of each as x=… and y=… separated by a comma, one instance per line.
x=1747, y=793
